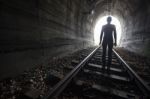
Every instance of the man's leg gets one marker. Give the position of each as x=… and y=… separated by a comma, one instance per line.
x=104, y=54
x=110, y=46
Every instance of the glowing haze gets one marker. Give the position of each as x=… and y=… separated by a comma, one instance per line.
x=102, y=21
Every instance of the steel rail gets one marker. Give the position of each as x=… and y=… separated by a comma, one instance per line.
x=141, y=84
x=52, y=94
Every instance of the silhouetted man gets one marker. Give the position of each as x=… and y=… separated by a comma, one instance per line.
x=108, y=30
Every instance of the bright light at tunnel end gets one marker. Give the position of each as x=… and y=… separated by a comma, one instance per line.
x=102, y=21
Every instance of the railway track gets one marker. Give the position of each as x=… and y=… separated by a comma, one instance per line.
x=88, y=80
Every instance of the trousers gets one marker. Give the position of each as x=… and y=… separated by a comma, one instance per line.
x=110, y=46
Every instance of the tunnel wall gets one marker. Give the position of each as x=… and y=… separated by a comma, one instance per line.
x=136, y=34
x=34, y=31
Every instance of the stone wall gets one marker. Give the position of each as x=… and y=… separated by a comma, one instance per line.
x=136, y=36
x=34, y=31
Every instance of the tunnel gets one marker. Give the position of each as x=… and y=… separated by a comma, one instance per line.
x=32, y=32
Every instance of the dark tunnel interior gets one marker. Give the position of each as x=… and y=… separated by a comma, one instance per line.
x=34, y=31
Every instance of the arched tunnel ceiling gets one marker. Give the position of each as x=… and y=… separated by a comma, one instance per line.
x=122, y=7
x=119, y=8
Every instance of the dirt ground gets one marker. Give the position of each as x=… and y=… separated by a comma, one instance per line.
x=36, y=82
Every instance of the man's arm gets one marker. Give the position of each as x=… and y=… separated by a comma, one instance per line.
x=115, y=35
x=102, y=31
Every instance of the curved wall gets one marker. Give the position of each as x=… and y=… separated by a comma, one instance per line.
x=34, y=31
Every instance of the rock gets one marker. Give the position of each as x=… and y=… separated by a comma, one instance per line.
x=33, y=94
x=53, y=77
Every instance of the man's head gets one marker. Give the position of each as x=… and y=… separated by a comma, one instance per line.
x=109, y=19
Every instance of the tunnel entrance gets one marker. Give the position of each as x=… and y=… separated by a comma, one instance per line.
x=102, y=21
